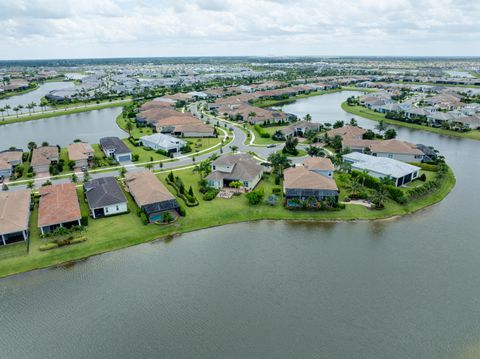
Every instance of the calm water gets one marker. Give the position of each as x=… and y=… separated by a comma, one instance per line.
x=62, y=130
x=34, y=96
x=406, y=288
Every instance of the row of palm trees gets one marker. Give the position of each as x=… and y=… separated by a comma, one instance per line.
x=5, y=110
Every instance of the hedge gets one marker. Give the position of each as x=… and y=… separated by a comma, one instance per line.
x=261, y=131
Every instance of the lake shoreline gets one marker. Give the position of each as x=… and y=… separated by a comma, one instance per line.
x=434, y=198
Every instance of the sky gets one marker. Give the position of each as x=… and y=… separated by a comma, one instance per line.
x=46, y=29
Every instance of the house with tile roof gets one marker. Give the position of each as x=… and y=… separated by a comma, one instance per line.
x=150, y=195
x=58, y=207
x=235, y=168
x=81, y=153
x=14, y=216
x=105, y=197
x=43, y=157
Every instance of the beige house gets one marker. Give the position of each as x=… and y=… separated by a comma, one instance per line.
x=235, y=168
x=81, y=153
x=14, y=216
x=43, y=157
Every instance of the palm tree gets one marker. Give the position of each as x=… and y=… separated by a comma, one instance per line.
x=7, y=107
x=16, y=109
x=149, y=166
x=20, y=107
x=129, y=127
x=2, y=110
x=234, y=148
x=30, y=185
x=381, y=126
x=308, y=117
x=354, y=186
x=74, y=178
x=31, y=145
x=379, y=197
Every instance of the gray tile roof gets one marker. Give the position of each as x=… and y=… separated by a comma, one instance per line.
x=114, y=143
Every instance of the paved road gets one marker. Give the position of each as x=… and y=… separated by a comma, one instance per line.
x=182, y=161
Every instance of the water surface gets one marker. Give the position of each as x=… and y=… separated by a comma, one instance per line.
x=405, y=288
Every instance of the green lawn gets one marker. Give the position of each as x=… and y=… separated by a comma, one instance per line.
x=376, y=116
x=260, y=140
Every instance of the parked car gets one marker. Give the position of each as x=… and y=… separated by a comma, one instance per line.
x=272, y=145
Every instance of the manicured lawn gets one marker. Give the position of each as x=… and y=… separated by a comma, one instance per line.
x=376, y=116
x=264, y=141
x=124, y=230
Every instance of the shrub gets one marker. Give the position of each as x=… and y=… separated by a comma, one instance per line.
x=48, y=246
x=181, y=211
x=423, y=177
x=84, y=220
x=261, y=131
x=144, y=218
x=276, y=190
x=135, y=157
x=255, y=197
x=210, y=194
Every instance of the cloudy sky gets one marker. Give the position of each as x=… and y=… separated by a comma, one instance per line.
x=37, y=29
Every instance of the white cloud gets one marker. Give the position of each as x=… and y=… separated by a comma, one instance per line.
x=98, y=28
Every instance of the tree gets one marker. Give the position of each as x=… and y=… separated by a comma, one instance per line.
x=291, y=146
x=279, y=162
x=308, y=117
x=74, y=178
x=30, y=185
x=314, y=151
x=167, y=217
x=354, y=187
x=129, y=127
x=381, y=126
x=338, y=124
x=234, y=148
x=236, y=184
x=123, y=171
x=149, y=166
x=369, y=135
x=379, y=197
x=390, y=134
x=353, y=122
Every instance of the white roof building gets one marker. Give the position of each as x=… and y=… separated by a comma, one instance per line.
x=383, y=167
x=159, y=141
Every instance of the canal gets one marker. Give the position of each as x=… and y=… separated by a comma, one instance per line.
x=402, y=288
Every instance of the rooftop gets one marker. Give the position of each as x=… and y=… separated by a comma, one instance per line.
x=14, y=211
x=103, y=192
x=58, y=204
x=146, y=188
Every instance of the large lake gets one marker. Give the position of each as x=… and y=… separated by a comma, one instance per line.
x=404, y=288
x=88, y=126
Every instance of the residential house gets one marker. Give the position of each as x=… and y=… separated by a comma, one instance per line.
x=81, y=153
x=8, y=161
x=14, y=216
x=151, y=195
x=396, y=149
x=235, y=168
x=300, y=128
x=43, y=157
x=58, y=207
x=115, y=148
x=347, y=131
x=105, y=197
x=159, y=141
x=320, y=165
x=383, y=167
x=300, y=183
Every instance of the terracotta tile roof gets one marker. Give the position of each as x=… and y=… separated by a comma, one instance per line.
x=395, y=146
x=347, y=131
x=14, y=211
x=146, y=188
x=11, y=156
x=79, y=151
x=301, y=178
x=318, y=163
x=58, y=204
x=44, y=155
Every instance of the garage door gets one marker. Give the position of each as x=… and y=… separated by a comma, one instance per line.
x=123, y=158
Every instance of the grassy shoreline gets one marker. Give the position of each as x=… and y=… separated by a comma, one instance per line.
x=376, y=116
x=61, y=112
x=112, y=233
x=21, y=92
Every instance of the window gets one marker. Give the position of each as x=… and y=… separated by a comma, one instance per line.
x=117, y=207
